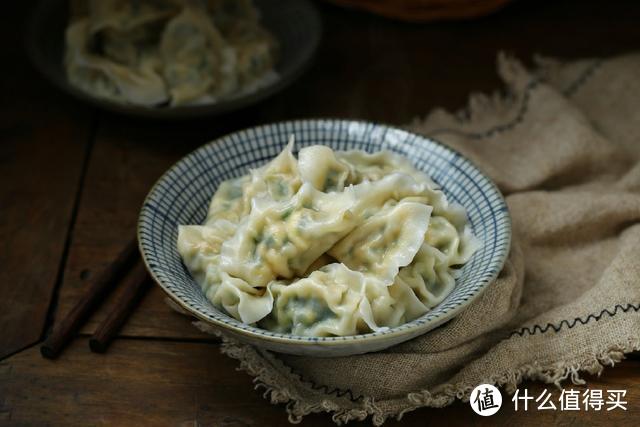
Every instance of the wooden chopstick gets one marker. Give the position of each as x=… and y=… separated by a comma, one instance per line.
x=97, y=290
x=135, y=284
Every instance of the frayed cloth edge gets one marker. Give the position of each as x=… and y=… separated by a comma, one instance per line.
x=277, y=393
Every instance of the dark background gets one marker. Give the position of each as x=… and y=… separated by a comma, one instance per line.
x=72, y=179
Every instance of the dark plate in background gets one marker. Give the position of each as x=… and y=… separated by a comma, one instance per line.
x=295, y=23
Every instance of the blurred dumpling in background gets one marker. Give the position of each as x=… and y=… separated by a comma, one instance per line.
x=168, y=52
x=194, y=56
x=109, y=79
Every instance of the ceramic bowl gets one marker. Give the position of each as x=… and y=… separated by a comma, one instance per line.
x=295, y=24
x=182, y=194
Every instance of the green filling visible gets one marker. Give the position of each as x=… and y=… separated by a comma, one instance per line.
x=270, y=242
x=331, y=182
x=298, y=313
x=286, y=213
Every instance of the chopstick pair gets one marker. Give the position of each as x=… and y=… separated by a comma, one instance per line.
x=126, y=270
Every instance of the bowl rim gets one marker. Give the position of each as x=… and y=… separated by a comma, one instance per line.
x=45, y=69
x=288, y=339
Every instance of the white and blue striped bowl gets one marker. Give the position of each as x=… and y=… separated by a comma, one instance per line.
x=182, y=194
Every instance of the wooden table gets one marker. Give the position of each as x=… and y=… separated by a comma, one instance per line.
x=73, y=179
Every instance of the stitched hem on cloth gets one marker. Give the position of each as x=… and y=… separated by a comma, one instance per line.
x=553, y=373
x=343, y=405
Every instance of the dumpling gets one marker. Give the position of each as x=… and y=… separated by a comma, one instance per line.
x=193, y=53
x=108, y=79
x=168, y=52
x=279, y=178
x=373, y=195
x=319, y=166
x=337, y=301
x=432, y=273
x=386, y=241
x=375, y=166
x=229, y=202
x=282, y=239
x=330, y=301
x=254, y=47
x=127, y=30
x=199, y=246
x=328, y=244
x=241, y=300
x=456, y=243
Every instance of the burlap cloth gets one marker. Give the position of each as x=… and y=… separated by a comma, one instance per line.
x=562, y=144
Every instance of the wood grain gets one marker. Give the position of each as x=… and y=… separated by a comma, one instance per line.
x=43, y=138
x=142, y=382
x=367, y=68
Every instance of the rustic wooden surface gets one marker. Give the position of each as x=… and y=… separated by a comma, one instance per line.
x=192, y=384
x=73, y=180
x=43, y=140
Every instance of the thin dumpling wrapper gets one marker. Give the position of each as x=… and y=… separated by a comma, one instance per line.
x=375, y=166
x=282, y=239
x=329, y=302
x=407, y=304
x=309, y=258
x=456, y=244
x=83, y=69
x=385, y=242
x=393, y=305
x=241, y=300
x=372, y=196
x=279, y=178
x=228, y=202
x=321, y=261
x=429, y=276
x=192, y=50
x=199, y=246
x=319, y=166
x=104, y=78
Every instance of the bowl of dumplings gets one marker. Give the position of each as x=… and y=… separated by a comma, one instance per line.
x=324, y=237
x=173, y=58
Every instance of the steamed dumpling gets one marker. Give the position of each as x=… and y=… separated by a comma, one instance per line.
x=328, y=244
x=193, y=52
x=325, y=303
x=385, y=241
x=282, y=239
x=321, y=168
x=168, y=52
x=108, y=79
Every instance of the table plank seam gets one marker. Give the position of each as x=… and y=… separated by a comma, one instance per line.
x=53, y=300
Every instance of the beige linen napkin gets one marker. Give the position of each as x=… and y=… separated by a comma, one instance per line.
x=563, y=147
